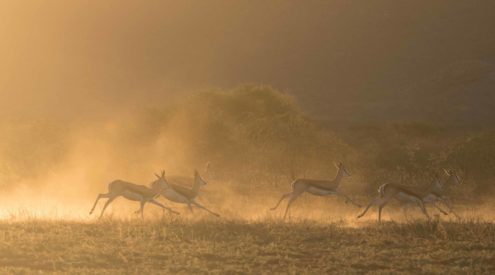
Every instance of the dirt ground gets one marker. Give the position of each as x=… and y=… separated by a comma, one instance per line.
x=174, y=245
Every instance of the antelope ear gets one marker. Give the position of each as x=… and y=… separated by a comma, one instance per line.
x=336, y=165
x=446, y=172
x=163, y=173
x=157, y=176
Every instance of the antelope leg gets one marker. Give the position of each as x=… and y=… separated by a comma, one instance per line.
x=164, y=207
x=292, y=198
x=347, y=199
x=284, y=196
x=96, y=202
x=110, y=200
x=204, y=208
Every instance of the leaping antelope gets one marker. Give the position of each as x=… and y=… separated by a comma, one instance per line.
x=435, y=194
x=316, y=187
x=135, y=192
x=389, y=191
x=181, y=194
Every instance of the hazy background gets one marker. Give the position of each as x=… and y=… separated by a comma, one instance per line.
x=92, y=91
x=90, y=57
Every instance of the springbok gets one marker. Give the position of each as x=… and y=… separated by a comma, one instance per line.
x=388, y=191
x=181, y=194
x=134, y=192
x=435, y=194
x=317, y=188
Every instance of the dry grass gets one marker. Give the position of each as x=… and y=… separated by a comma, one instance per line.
x=235, y=246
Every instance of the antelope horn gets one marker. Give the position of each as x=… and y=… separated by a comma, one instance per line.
x=446, y=172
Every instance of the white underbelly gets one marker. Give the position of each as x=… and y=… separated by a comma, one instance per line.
x=406, y=198
x=132, y=196
x=319, y=191
x=430, y=198
x=171, y=195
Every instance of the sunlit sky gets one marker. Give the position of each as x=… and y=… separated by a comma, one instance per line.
x=86, y=57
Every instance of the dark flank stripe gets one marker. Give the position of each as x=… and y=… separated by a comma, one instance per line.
x=321, y=184
x=404, y=190
x=436, y=194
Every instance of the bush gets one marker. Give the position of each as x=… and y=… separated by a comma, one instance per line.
x=476, y=156
x=253, y=133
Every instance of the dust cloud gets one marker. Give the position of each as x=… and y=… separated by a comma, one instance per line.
x=92, y=156
x=54, y=169
x=255, y=138
x=96, y=91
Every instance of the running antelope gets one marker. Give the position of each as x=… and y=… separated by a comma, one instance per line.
x=435, y=194
x=388, y=191
x=181, y=194
x=317, y=188
x=134, y=192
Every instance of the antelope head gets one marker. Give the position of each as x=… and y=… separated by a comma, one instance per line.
x=161, y=183
x=198, y=179
x=453, y=176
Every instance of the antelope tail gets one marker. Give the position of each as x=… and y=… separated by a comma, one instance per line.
x=293, y=183
x=381, y=189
